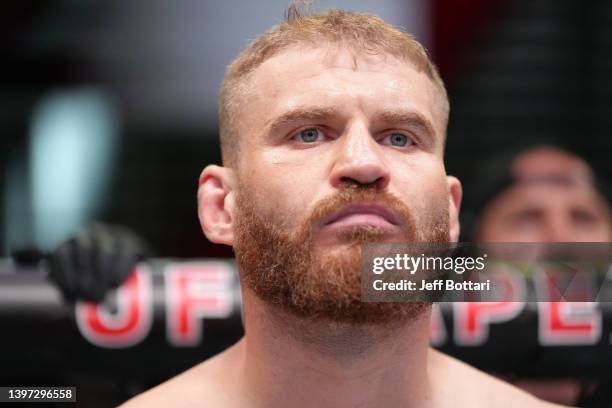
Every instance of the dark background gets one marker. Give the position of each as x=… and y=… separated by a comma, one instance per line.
x=516, y=70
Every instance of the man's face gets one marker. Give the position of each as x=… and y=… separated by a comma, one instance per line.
x=313, y=121
x=553, y=201
x=335, y=151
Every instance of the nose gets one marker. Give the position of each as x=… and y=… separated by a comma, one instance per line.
x=359, y=160
x=559, y=229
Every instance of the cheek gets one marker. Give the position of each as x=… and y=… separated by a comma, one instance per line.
x=492, y=232
x=422, y=188
x=600, y=233
x=282, y=190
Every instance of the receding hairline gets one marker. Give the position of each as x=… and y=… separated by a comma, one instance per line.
x=370, y=36
x=333, y=50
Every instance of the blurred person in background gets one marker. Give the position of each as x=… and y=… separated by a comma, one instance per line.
x=546, y=194
x=540, y=193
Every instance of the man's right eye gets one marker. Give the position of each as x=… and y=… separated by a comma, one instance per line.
x=309, y=135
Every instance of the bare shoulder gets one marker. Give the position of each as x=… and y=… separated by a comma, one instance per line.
x=201, y=384
x=467, y=386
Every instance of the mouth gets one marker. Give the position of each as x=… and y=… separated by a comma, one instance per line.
x=363, y=214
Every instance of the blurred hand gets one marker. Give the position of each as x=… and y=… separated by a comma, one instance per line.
x=95, y=261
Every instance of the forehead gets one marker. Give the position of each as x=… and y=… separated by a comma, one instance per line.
x=548, y=194
x=550, y=160
x=337, y=78
x=548, y=177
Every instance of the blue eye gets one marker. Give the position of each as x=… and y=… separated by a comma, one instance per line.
x=309, y=135
x=397, y=139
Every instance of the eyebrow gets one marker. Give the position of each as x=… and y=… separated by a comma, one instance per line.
x=322, y=114
x=300, y=114
x=410, y=118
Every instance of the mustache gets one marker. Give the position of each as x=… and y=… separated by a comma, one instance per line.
x=360, y=194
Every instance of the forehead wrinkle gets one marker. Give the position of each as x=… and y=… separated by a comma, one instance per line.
x=321, y=113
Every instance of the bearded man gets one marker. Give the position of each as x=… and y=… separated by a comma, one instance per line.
x=332, y=131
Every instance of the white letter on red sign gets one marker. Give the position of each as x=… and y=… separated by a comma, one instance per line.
x=195, y=291
x=129, y=324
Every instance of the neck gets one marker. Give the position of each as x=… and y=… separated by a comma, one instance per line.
x=319, y=363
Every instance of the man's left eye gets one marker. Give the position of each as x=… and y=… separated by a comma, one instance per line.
x=397, y=139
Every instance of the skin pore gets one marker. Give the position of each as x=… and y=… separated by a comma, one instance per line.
x=315, y=121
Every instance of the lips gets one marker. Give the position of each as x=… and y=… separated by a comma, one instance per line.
x=363, y=213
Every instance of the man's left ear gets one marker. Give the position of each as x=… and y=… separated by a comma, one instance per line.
x=216, y=204
x=454, y=205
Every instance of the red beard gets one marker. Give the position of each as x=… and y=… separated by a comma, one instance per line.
x=283, y=268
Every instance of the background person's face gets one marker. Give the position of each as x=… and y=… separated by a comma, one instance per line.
x=555, y=202
x=315, y=120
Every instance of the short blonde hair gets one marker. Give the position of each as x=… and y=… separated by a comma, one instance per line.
x=359, y=32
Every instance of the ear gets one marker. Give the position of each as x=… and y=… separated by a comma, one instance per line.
x=454, y=205
x=216, y=204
